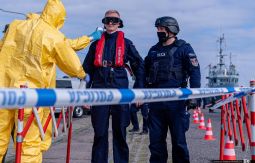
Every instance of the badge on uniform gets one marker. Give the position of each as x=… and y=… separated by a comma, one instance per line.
x=161, y=54
x=194, y=62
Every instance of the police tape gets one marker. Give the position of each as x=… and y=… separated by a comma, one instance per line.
x=23, y=98
x=230, y=99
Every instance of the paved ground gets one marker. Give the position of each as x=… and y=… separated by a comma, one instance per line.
x=201, y=151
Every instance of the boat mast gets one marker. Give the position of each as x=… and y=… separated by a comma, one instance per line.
x=221, y=56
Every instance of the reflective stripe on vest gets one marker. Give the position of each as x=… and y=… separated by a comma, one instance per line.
x=119, y=54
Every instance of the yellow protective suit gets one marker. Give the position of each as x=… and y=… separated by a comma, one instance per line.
x=30, y=52
x=75, y=44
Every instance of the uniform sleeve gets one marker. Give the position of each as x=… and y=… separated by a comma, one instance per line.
x=88, y=63
x=192, y=67
x=137, y=65
x=68, y=61
x=147, y=63
x=79, y=43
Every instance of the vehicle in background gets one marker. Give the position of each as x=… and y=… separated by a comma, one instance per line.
x=72, y=83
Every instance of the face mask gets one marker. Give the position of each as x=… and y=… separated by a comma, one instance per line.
x=162, y=37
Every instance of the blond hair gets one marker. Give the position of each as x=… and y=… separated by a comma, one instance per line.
x=111, y=12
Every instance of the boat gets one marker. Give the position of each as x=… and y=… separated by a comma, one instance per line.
x=221, y=75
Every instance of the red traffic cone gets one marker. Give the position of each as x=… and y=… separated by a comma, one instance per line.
x=196, y=119
x=209, y=133
x=202, y=123
x=229, y=150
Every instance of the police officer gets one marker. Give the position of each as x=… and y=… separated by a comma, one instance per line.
x=171, y=63
x=105, y=62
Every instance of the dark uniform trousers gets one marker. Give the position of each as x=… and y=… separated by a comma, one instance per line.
x=162, y=118
x=134, y=118
x=100, y=121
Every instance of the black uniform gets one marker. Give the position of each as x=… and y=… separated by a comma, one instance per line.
x=170, y=67
x=109, y=76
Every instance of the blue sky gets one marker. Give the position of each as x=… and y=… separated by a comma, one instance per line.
x=201, y=23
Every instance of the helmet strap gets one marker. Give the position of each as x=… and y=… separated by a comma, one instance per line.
x=168, y=35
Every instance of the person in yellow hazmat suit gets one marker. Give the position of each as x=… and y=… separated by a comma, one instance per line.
x=31, y=50
x=76, y=44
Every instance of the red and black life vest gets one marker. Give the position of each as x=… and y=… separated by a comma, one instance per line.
x=120, y=50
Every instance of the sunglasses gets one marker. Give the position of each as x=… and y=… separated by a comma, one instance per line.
x=113, y=20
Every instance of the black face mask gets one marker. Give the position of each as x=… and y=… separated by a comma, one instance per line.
x=162, y=37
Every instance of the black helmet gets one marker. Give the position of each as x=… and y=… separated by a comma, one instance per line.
x=169, y=22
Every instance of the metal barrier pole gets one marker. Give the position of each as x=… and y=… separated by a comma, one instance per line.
x=240, y=126
x=70, y=117
x=222, y=130
x=62, y=115
x=228, y=119
x=68, y=152
x=38, y=121
x=246, y=118
x=64, y=120
x=54, y=121
x=252, y=110
x=19, y=138
x=233, y=122
x=47, y=122
x=59, y=119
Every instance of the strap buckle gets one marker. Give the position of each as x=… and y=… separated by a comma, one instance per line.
x=106, y=63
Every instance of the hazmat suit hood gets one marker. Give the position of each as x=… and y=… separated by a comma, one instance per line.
x=54, y=13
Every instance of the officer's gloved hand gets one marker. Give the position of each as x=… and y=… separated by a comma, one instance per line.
x=96, y=35
x=191, y=104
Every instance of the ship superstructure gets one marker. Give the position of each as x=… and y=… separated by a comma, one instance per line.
x=221, y=75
